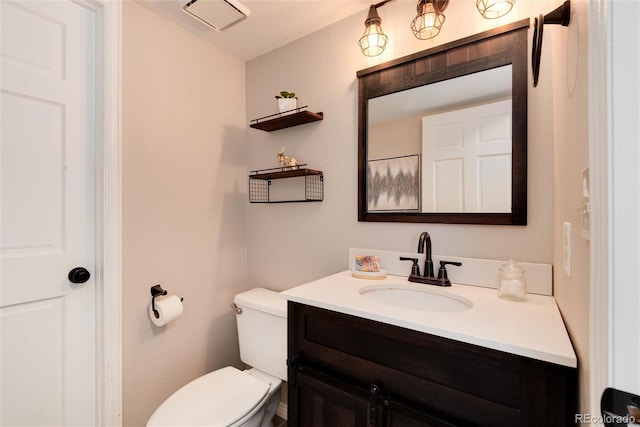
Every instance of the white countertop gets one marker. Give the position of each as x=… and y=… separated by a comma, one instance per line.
x=531, y=328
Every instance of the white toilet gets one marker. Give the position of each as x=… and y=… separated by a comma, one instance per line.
x=229, y=397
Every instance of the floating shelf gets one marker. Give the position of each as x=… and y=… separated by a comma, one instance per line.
x=260, y=182
x=283, y=174
x=284, y=120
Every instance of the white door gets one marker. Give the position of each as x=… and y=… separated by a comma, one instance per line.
x=47, y=323
x=466, y=157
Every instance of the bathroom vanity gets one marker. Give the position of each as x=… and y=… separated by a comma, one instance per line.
x=357, y=361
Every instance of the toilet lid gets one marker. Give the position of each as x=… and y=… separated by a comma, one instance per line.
x=217, y=399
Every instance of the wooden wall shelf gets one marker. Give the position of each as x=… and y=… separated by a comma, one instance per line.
x=284, y=174
x=279, y=121
x=260, y=182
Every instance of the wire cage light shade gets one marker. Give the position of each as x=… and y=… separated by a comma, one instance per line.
x=428, y=22
x=492, y=9
x=374, y=40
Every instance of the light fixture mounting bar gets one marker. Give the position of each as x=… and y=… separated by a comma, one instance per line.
x=382, y=3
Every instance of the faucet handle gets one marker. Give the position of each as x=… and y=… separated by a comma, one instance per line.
x=415, y=268
x=442, y=273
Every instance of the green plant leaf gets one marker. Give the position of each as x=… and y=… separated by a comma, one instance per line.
x=285, y=94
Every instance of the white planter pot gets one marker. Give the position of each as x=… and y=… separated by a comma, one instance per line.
x=286, y=104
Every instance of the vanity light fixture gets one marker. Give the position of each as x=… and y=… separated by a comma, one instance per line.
x=428, y=22
x=492, y=9
x=374, y=40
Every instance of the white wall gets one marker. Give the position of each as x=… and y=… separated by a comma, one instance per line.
x=184, y=192
x=565, y=57
x=289, y=244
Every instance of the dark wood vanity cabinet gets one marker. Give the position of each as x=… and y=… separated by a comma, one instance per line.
x=350, y=371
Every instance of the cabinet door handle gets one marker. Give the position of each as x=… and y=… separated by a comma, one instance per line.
x=374, y=391
x=292, y=365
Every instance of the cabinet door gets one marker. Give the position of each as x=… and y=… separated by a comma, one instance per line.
x=320, y=401
x=399, y=415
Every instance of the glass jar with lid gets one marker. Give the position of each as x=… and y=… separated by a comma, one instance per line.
x=512, y=283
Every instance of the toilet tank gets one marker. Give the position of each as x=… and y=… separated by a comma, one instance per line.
x=262, y=330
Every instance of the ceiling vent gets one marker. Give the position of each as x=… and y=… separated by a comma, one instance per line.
x=217, y=14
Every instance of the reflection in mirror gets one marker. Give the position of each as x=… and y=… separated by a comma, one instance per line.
x=443, y=147
x=442, y=133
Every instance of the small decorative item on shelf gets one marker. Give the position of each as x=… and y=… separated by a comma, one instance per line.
x=286, y=162
x=287, y=101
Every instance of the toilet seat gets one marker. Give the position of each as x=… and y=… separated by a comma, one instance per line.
x=219, y=398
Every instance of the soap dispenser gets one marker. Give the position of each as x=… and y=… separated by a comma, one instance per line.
x=512, y=283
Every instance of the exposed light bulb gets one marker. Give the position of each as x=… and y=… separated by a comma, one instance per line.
x=492, y=9
x=428, y=22
x=374, y=40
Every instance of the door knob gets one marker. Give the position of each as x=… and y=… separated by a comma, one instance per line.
x=79, y=275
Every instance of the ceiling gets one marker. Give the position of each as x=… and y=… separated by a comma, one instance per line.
x=271, y=23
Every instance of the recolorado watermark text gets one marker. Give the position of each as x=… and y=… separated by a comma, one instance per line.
x=604, y=419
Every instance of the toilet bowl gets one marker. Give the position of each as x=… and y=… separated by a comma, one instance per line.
x=229, y=397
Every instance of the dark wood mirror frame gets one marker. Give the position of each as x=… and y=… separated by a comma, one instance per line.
x=494, y=48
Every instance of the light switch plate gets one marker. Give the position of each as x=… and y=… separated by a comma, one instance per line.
x=566, y=248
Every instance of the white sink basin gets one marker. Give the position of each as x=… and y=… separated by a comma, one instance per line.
x=416, y=297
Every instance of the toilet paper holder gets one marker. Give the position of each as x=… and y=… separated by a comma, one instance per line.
x=157, y=291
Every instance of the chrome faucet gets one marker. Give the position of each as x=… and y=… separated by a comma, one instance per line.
x=424, y=247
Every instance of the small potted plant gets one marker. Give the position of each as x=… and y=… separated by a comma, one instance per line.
x=287, y=101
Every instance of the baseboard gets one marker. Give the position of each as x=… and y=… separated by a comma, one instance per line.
x=282, y=410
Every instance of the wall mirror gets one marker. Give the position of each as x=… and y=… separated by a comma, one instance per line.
x=443, y=133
